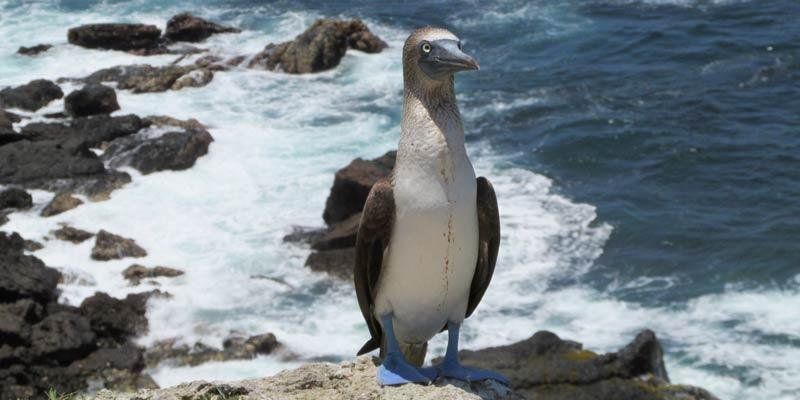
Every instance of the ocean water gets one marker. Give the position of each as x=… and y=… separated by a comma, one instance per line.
x=645, y=156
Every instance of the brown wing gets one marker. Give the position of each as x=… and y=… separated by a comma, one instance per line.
x=372, y=239
x=488, y=243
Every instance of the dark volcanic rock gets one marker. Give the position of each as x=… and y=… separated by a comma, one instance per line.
x=236, y=347
x=30, y=96
x=14, y=330
x=115, y=36
x=97, y=129
x=62, y=337
x=338, y=263
x=340, y=235
x=352, y=184
x=171, y=151
x=114, y=318
x=7, y=118
x=185, y=27
x=109, y=246
x=23, y=276
x=196, y=78
x=141, y=78
x=34, y=50
x=135, y=273
x=546, y=367
x=15, y=198
x=163, y=120
x=62, y=202
x=32, y=245
x=92, y=99
x=320, y=47
x=71, y=234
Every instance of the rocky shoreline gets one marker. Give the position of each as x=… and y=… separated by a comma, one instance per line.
x=79, y=155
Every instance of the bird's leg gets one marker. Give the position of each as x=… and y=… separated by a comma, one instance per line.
x=452, y=368
x=394, y=369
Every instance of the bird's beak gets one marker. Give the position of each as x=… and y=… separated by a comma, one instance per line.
x=451, y=58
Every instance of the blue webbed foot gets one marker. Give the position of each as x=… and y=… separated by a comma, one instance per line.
x=396, y=371
x=462, y=373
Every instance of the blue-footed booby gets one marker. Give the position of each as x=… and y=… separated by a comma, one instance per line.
x=427, y=244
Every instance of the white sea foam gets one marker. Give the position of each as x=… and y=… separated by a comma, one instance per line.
x=278, y=140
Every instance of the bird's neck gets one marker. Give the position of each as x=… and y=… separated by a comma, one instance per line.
x=432, y=134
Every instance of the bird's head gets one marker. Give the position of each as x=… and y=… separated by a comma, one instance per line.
x=432, y=55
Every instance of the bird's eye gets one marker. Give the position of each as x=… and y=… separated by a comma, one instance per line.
x=426, y=47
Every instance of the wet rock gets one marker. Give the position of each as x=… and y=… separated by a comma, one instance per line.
x=212, y=63
x=196, y=78
x=62, y=337
x=320, y=47
x=15, y=198
x=141, y=78
x=163, y=120
x=34, y=50
x=30, y=96
x=115, y=36
x=171, y=151
x=23, y=276
x=119, y=368
x=7, y=118
x=3, y=218
x=352, y=184
x=97, y=129
x=26, y=309
x=109, y=246
x=70, y=234
x=14, y=330
x=185, y=27
x=338, y=263
x=92, y=99
x=135, y=273
x=235, y=347
x=114, y=318
x=62, y=202
x=303, y=234
x=32, y=245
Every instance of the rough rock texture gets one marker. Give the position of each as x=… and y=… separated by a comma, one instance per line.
x=352, y=184
x=135, y=273
x=23, y=276
x=143, y=78
x=185, y=27
x=7, y=119
x=163, y=120
x=109, y=246
x=34, y=50
x=113, y=318
x=44, y=344
x=15, y=198
x=547, y=367
x=319, y=48
x=30, y=96
x=196, y=78
x=348, y=380
x=92, y=99
x=61, y=202
x=71, y=234
x=115, y=36
x=235, y=347
x=57, y=156
x=176, y=150
x=338, y=263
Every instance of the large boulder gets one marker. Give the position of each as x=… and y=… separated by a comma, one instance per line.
x=23, y=276
x=92, y=99
x=114, y=318
x=62, y=337
x=546, y=367
x=109, y=246
x=115, y=36
x=176, y=150
x=352, y=184
x=185, y=27
x=319, y=48
x=30, y=96
x=338, y=263
x=15, y=198
x=143, y=78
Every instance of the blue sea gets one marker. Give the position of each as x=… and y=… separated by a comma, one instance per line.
x=646, y=156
